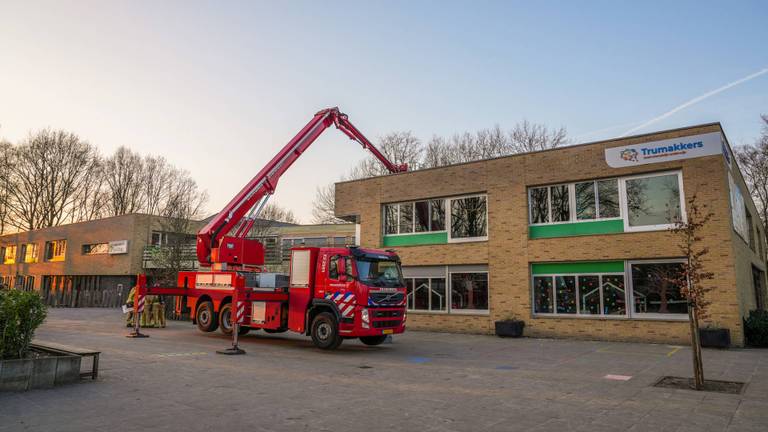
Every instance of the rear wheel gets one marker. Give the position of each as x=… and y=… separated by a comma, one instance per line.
x=325, y=331
x=206, y=317
x=373, y=340
x=225, y=321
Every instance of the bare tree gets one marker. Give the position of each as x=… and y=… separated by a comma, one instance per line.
x=125, y=174
x=46, y=177
x=324, y=204
x=398, y=147
x=6, y=151
x=529, y=137
x=753, y=161
x=271, y=215
x=91, y=200
x=156, y=182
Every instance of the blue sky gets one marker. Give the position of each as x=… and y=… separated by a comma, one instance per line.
x=218, y=88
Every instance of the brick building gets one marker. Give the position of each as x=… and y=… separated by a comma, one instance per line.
x=572, y=240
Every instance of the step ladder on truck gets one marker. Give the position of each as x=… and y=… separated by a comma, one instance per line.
x=330, y=293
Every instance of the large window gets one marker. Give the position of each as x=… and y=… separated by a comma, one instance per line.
x=647, y=202
x=463, y=218
x=469, y=217
x=579, y=294
x=96, y=249
x=469, y=291
x=447, y=289
x=55, y=250
x=414, y=217
x=9, y=254
x=574, y=202
x=653, y=202
x=29, y=253
x=647, y=289
x=654, y=290
x=427, y=294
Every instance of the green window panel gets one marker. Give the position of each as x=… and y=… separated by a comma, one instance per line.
x=576, y=229
x=591, y=267
x=416, y=239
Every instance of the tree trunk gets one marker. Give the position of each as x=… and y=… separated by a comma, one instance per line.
x=698, y=366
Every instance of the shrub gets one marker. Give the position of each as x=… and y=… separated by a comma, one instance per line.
x=756, y=328
x=21, y=313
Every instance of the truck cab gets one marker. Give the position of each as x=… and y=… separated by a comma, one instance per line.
x=346, y=292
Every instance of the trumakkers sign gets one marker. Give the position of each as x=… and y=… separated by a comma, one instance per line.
x=688, y=147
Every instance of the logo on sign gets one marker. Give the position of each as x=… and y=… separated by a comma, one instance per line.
x=629, y=155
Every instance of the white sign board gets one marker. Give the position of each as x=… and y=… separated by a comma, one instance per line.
x=118, y=247
x=687, y=147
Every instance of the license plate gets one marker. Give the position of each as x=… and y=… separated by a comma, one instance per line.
x=388, y=331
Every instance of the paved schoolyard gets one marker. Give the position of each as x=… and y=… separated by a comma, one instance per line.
x=423, y=381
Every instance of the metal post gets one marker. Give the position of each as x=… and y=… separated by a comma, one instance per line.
x=237, y=312
x=138, y=308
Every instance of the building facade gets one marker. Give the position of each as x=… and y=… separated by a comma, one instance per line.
x=574, y=240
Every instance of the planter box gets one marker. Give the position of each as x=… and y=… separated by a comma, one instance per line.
x=715, y=338
x=509, y=328
x=38, y=373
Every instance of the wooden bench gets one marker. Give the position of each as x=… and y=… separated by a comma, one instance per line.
x=66, y=349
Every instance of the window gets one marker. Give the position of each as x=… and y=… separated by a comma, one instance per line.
x=581, y=294
x=414, y=217
x=29, y=253
x=333, y=267
x=339, y=241
x=653, y=202
x=96, y=249
x=574, y=202
x=758, y=283
x=9, y=254
x=428, y=294
x=750, y=228
x=469, y=217
x=653, y=292
x=55, y=250
x=159, y=238
x=469, y=291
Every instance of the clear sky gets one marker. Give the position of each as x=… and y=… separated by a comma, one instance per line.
x=219, y=87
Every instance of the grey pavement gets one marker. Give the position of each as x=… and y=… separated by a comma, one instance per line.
x=174, y=381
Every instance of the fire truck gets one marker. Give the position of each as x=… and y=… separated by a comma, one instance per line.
x=330, y=293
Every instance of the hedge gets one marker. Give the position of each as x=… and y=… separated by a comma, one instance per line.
x=21, y=313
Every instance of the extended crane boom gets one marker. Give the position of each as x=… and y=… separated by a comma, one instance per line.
x=214, y=244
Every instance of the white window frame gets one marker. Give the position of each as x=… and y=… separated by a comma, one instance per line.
x=448, y=220
x=430, y=311
x=413, y=222
x=624, y=201
x=579, y=315
x=629, y=283
x=449, y=284
x=572, y=203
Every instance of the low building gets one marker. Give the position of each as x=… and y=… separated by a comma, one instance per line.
x=574, y=240
x=95, y=263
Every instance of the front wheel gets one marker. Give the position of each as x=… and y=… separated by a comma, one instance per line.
x=325, y=331
x=373, y=340
x=206, y=317
x=225, y=321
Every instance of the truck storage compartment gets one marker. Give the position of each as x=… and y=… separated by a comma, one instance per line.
x=266, y=314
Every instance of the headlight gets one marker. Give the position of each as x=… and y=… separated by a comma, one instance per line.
x=365, y=317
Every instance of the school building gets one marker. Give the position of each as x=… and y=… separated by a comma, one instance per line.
x=573, y=240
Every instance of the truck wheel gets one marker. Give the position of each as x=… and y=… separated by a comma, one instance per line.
x=205, y=317
x=373, y=340
x=225, y=319
x=325, y=331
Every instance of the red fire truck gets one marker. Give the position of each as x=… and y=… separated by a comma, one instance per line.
x=330, y=294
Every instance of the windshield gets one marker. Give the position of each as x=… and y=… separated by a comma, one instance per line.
x=379, y=272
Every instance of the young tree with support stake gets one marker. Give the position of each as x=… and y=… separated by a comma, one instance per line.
x=691, y=279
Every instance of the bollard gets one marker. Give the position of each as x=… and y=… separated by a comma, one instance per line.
x=138, y=306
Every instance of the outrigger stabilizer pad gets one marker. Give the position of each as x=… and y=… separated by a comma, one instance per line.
x=235, y=350
x=136, y=334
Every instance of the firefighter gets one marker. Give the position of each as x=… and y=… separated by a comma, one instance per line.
x=129, y=304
